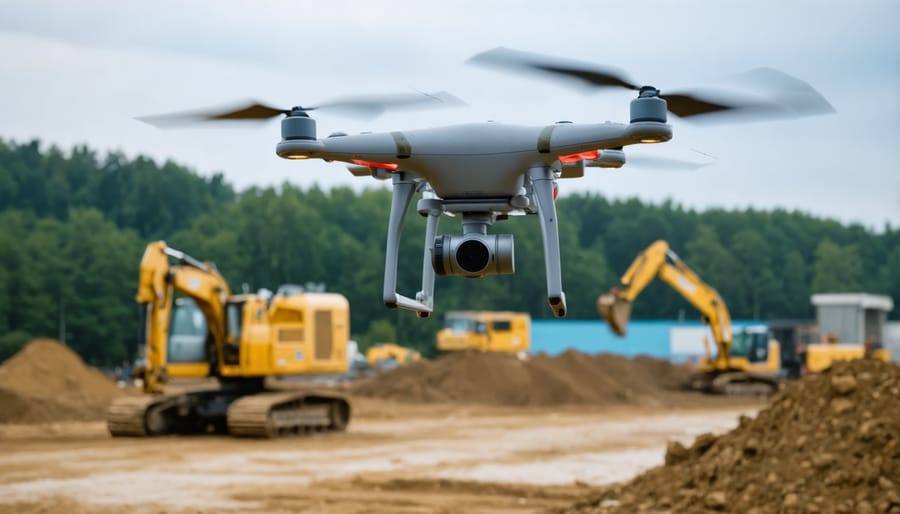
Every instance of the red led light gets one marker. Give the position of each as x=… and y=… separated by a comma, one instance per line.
x=583, y=156
x=390, y=166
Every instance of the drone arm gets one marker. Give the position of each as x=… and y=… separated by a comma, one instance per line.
x=542, y=182
x=380, y=148
x=404, y=188
x=567, y=139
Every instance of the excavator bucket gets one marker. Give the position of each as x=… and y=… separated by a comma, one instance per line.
x=616, y=311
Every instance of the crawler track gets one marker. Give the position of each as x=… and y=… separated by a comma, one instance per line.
x=263, y=414
x=287, y=413
x=127, y=417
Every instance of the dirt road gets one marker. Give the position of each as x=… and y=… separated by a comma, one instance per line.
x=394, y=458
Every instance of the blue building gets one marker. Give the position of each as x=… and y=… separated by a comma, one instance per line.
x=662, y=339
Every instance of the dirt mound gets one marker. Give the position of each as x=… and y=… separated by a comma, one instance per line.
x=827, y=443
x=504, y=379
x=46, y=381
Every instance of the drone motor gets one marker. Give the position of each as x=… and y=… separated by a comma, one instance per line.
x=648, y=106
x=297, y=125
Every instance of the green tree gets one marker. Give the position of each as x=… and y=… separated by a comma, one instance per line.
x=837, y=269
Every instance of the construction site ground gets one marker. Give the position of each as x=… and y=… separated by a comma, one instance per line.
x=395, y=458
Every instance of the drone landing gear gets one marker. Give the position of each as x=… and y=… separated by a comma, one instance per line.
x=405, y=186
x=542, y=183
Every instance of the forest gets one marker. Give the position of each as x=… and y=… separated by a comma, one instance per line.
x=73, y=226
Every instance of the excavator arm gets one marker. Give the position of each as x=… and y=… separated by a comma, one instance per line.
x=158, y=281
x=658, y=260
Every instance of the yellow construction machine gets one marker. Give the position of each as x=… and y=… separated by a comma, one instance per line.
x=489, y=331
x=194, y=328
x=746, y=363
x=382, y=353
x=749, y=361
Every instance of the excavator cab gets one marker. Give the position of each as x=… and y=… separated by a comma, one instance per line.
x=752, y=345
x=187, y=332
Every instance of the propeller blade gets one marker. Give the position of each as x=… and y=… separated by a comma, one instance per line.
x=255, y=111
x=249, y=112
x=685, y=105
x=772, y=94
x=371, y=106
x=362, y=107
x=519, y=61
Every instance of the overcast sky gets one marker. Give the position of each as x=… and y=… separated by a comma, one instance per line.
x=79, y=72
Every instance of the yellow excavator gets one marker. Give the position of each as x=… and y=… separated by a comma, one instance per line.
x=194, y=328
x=746, y=363
x=383, y=353
x=487, y=331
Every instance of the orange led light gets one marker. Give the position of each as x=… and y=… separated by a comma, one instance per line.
x=390, y=166
x=583, y=156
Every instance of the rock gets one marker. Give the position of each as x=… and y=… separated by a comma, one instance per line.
x=843, y=384
x=885, y=483
x=703, y=443
x=823, y=460
x=791, y=500
x=866, y=429
x=751, y=447
x=716, y=500
x=864, y=507
x=840, y=406
x=676, y=453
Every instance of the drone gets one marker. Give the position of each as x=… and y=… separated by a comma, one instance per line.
x=486, y=172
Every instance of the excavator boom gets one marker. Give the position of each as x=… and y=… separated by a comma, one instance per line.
x=658, y=260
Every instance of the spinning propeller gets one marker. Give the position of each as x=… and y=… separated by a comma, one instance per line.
x=775, y=94
x=361, y=107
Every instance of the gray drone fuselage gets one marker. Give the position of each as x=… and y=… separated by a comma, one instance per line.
x=483, y=171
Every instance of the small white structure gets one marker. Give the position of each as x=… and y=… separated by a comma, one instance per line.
x=853, y=317
x=892, y=339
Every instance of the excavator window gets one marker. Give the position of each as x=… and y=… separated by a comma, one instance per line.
x=502, y=326
x=231, y=352
x=458, y=324
x=187, y=332
x=754, y=346
x=233, y=321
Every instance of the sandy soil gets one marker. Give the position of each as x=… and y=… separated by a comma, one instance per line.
x=394, y=458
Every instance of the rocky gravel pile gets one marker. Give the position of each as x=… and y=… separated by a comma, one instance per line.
x=829, y=443
x=46, y=381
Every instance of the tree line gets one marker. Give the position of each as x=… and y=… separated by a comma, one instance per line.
x=73, y=226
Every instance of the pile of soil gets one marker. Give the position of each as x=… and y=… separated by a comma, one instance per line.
x=505, y=379
x=46, y=381
x=827, y=443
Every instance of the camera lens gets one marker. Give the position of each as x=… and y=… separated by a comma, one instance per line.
x=473, y=256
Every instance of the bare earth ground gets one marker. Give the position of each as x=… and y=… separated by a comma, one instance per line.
x=395, y=458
